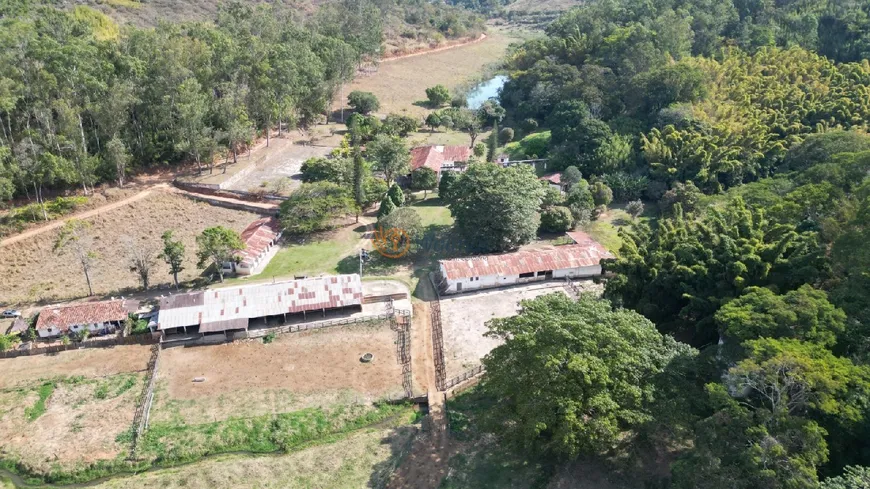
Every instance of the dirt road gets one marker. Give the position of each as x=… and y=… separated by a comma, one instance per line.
x=433, y=50
x=83, y=215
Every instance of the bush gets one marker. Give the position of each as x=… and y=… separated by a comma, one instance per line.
x=437, y=95
x=336, y=170
x=634, y=208
x=399, y=125
x=386, y=208
x=396, y=195
x=314, y=206
x=601, y=194
x=556, y=219
x=458, y=102
x=505, y=136
x=685, y=194
x=625, y=187
x=479, y=150
x=269, y=338
x=363, y=102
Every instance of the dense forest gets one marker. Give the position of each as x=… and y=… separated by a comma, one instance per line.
x=739, y=313
x=83, y=100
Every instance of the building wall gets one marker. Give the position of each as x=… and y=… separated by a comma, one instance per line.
x=485, y=282
x=93, y=328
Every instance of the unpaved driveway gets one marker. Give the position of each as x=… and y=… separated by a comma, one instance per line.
x=283, y=159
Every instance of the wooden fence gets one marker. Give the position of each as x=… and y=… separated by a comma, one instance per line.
x=146, y=398
x=144, y=339
x=295, y=328
x=467, y=375
x=437, y=337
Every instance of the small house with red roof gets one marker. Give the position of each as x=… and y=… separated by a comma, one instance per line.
x=555, y=181
x=100, y=317
x=261, y=240
x=579, y=260
x=440, y=158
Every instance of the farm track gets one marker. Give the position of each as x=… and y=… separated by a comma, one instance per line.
x=433, y=50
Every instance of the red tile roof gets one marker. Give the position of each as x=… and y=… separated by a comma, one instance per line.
x=537, y=260
x=555, y=178
x=435, y=156
x=62, y=317
x=257, y=237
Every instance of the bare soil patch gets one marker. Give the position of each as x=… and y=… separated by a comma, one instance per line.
x=80, y=425
x=464, y=318
x=38, y=273
x=282, y=160
x=89, y=363
x=299, y=370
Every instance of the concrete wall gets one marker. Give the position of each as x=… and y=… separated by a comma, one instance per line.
x=486, y=282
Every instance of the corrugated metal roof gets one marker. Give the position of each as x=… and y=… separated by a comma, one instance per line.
x=229, y=324
x=257, y=237
x=62, y=317
x=538, y=260
x=254, y=301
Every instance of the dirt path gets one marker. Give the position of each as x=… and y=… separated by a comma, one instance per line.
x=84, y=215
x=427, y=463
x=434, y=50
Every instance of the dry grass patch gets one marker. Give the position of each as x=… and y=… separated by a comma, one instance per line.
x=78, y=423
x=296, y=371
x=363, y=459
x=39, y=274
x=88, y=363
x=400, y=83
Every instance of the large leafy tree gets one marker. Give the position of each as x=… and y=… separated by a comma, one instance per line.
x=314, y=207
x=804, y=314
x=682, y=272
x=496, y=208
x=573, y=376
x=216, y=246
x=390, y=155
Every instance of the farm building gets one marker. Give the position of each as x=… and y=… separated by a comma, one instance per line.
x=260, y=238
x=96, y=317
x=233, y=308
x=555, y=181
x=440, y=158
x=558, y=262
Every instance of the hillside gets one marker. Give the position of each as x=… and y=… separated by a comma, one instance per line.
x=149, y=13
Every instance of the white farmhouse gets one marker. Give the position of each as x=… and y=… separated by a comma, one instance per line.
x=96, y=317
x=558, y=262
x=261, y=244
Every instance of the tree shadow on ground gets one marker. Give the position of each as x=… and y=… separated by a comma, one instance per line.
x=400, y=440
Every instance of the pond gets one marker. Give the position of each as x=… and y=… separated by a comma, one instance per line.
x=485, y=91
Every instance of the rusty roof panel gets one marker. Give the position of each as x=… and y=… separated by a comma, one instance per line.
x=537, y=260
x=255, y=301
x=62, y=317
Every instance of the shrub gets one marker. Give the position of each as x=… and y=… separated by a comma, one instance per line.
x=479, y=150
x=458, y=102
x=269, y=338
x=685, y=194
x=505, y=136
x=625, y=187
x=396, y=195
x=556, y=219
x=601, y=194
x=363, y=102
x=437, y=95
x=634, y=208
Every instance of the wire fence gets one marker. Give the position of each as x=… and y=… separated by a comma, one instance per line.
x=146, y=398
x=144, y=339
x=437, y=337
x=295, y=328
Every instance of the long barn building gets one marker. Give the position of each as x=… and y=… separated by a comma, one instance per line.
x=233, y=308
x=579, y=260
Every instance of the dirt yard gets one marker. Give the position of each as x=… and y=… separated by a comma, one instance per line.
x=282, y=161
x=79, y=422
x=90, y=363
x=38, y=273
x=295, y=371
x=464, y=317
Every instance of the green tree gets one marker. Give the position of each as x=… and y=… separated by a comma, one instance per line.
x=117, y=158
x=685, y=194
x=173, y=255
x=601, y=194
x=634, y=208
x=496, y=208
x=424, y=179
x=571, y=176
x=359, y=176
x=433, y=120
x=556, y=219
x=803, y=314
x=492, y=144
x=389, y=155
x=313, y=207
x=387, y=207
x=216, y=246
x=682, y=273
x=396, y=195
x=505, y=136
x=407, y=220
x=852, y=478
x=437, y=95
x=363, y=102
x=446, y=185
x=571, y=377
x=336, y=170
